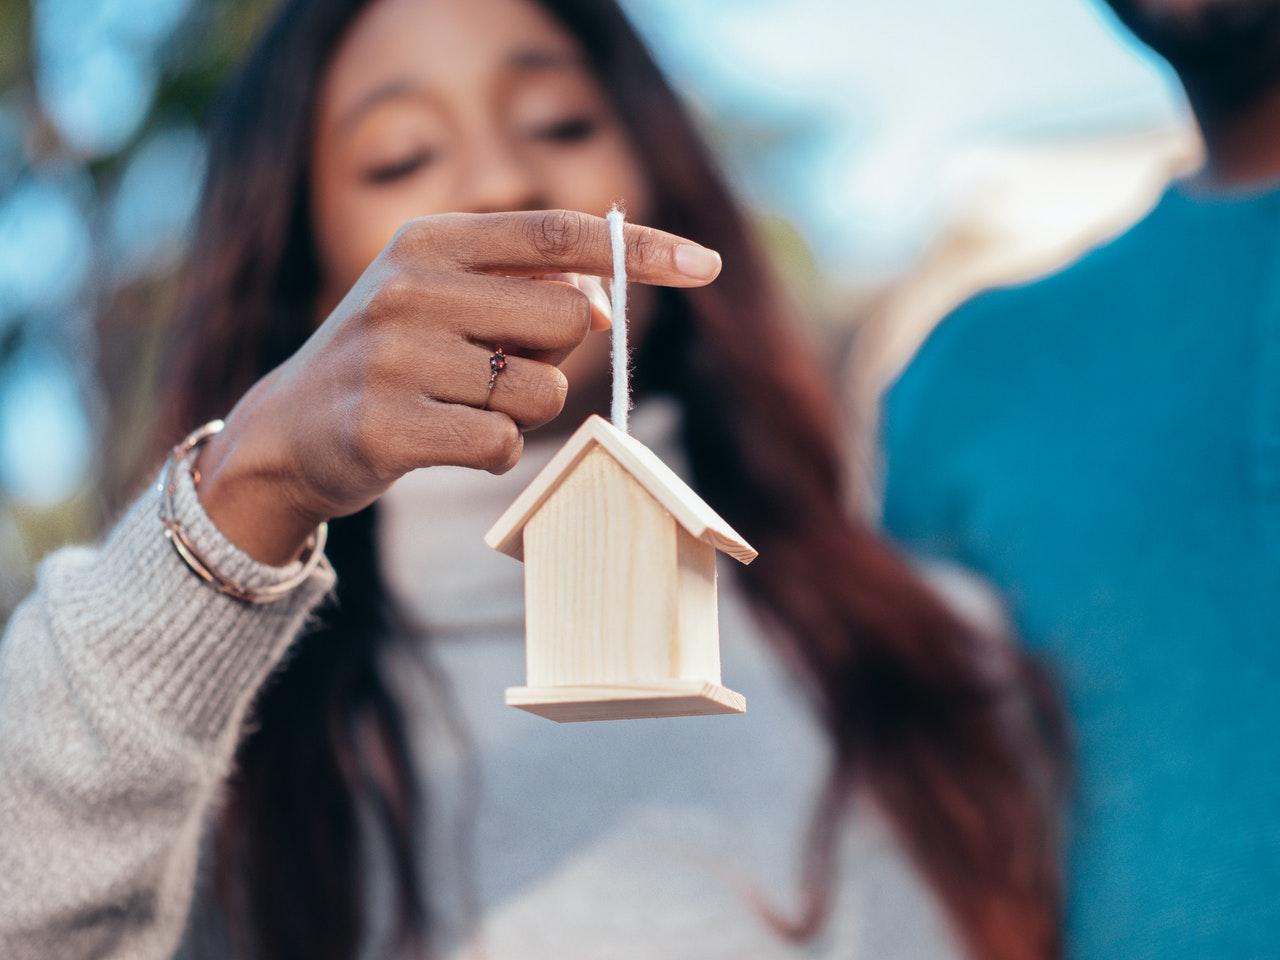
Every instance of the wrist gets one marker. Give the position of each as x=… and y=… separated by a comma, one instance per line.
x=250, y=498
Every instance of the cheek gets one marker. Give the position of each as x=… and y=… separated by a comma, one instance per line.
x=352, y=223
x=592, y=178
x=352, y=226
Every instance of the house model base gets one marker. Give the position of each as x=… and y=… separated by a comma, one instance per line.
x=663, y=698
x=621, y=620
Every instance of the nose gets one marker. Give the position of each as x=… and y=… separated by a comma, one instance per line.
x=497, y=178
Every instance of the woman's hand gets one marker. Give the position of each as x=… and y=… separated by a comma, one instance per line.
x=397, y=376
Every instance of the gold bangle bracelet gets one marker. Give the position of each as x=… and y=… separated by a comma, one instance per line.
x=312, y=552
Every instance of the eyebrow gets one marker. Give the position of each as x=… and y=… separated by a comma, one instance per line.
x=394, y=90
x=530, y=60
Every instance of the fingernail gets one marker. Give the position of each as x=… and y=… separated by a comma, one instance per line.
x=697, y=262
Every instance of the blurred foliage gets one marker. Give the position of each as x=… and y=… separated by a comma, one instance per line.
x=118, y=357
x=129, y=317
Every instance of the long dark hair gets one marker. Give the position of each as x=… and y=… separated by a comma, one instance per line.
x=956, y=738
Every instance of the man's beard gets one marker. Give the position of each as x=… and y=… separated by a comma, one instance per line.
x=1225, y=50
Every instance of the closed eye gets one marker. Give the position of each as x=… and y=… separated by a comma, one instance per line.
x=388, y=172
x=569, y=130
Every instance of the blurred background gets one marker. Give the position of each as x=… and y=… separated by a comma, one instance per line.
x=899, y=156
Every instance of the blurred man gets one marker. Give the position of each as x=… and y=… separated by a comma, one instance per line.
x=1104, y=446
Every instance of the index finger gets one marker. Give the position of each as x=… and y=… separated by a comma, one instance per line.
x=535, y=242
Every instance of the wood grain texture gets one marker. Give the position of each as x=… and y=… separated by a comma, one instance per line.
x=674, y=698
x=620, y=585
x=600, y=581
x=697, y=642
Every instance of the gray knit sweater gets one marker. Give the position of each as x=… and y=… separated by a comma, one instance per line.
x=124, y=681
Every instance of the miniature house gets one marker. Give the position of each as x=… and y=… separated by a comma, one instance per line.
x=620, y=585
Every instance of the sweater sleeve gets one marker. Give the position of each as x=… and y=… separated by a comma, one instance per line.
x=124, y=682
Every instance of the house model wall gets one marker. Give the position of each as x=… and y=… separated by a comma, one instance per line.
x=620, y=585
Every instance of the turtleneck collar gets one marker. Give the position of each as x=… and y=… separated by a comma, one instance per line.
x=431, y=527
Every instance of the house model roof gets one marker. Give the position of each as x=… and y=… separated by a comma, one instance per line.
x=643, y=465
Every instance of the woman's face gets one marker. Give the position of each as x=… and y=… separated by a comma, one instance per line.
x=434, y=106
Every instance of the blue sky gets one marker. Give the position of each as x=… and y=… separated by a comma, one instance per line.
x=879, y=102
x=896, y=92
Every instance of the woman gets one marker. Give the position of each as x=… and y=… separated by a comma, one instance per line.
x=353, y=350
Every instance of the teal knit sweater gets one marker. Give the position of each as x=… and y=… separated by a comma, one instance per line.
x=1104, y=446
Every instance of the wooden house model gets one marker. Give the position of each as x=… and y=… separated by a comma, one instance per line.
x=620, y=585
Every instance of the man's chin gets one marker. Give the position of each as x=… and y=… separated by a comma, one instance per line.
x=1227, y=51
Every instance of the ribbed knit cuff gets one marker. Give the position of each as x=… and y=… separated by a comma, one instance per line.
x=138, y=623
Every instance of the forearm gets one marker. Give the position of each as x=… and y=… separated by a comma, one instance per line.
x=124, y=683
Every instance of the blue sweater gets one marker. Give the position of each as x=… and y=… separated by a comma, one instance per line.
x=1104, y=446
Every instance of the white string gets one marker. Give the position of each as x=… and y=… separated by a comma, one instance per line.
x=618, y=297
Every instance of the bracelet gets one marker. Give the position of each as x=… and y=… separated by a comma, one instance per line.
x=312, y=553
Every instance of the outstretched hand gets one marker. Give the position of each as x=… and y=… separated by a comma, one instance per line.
x=398, y=376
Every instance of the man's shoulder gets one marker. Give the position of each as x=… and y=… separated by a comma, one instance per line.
x=1011, y=334
x=1001, y=370
x=987, y=369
